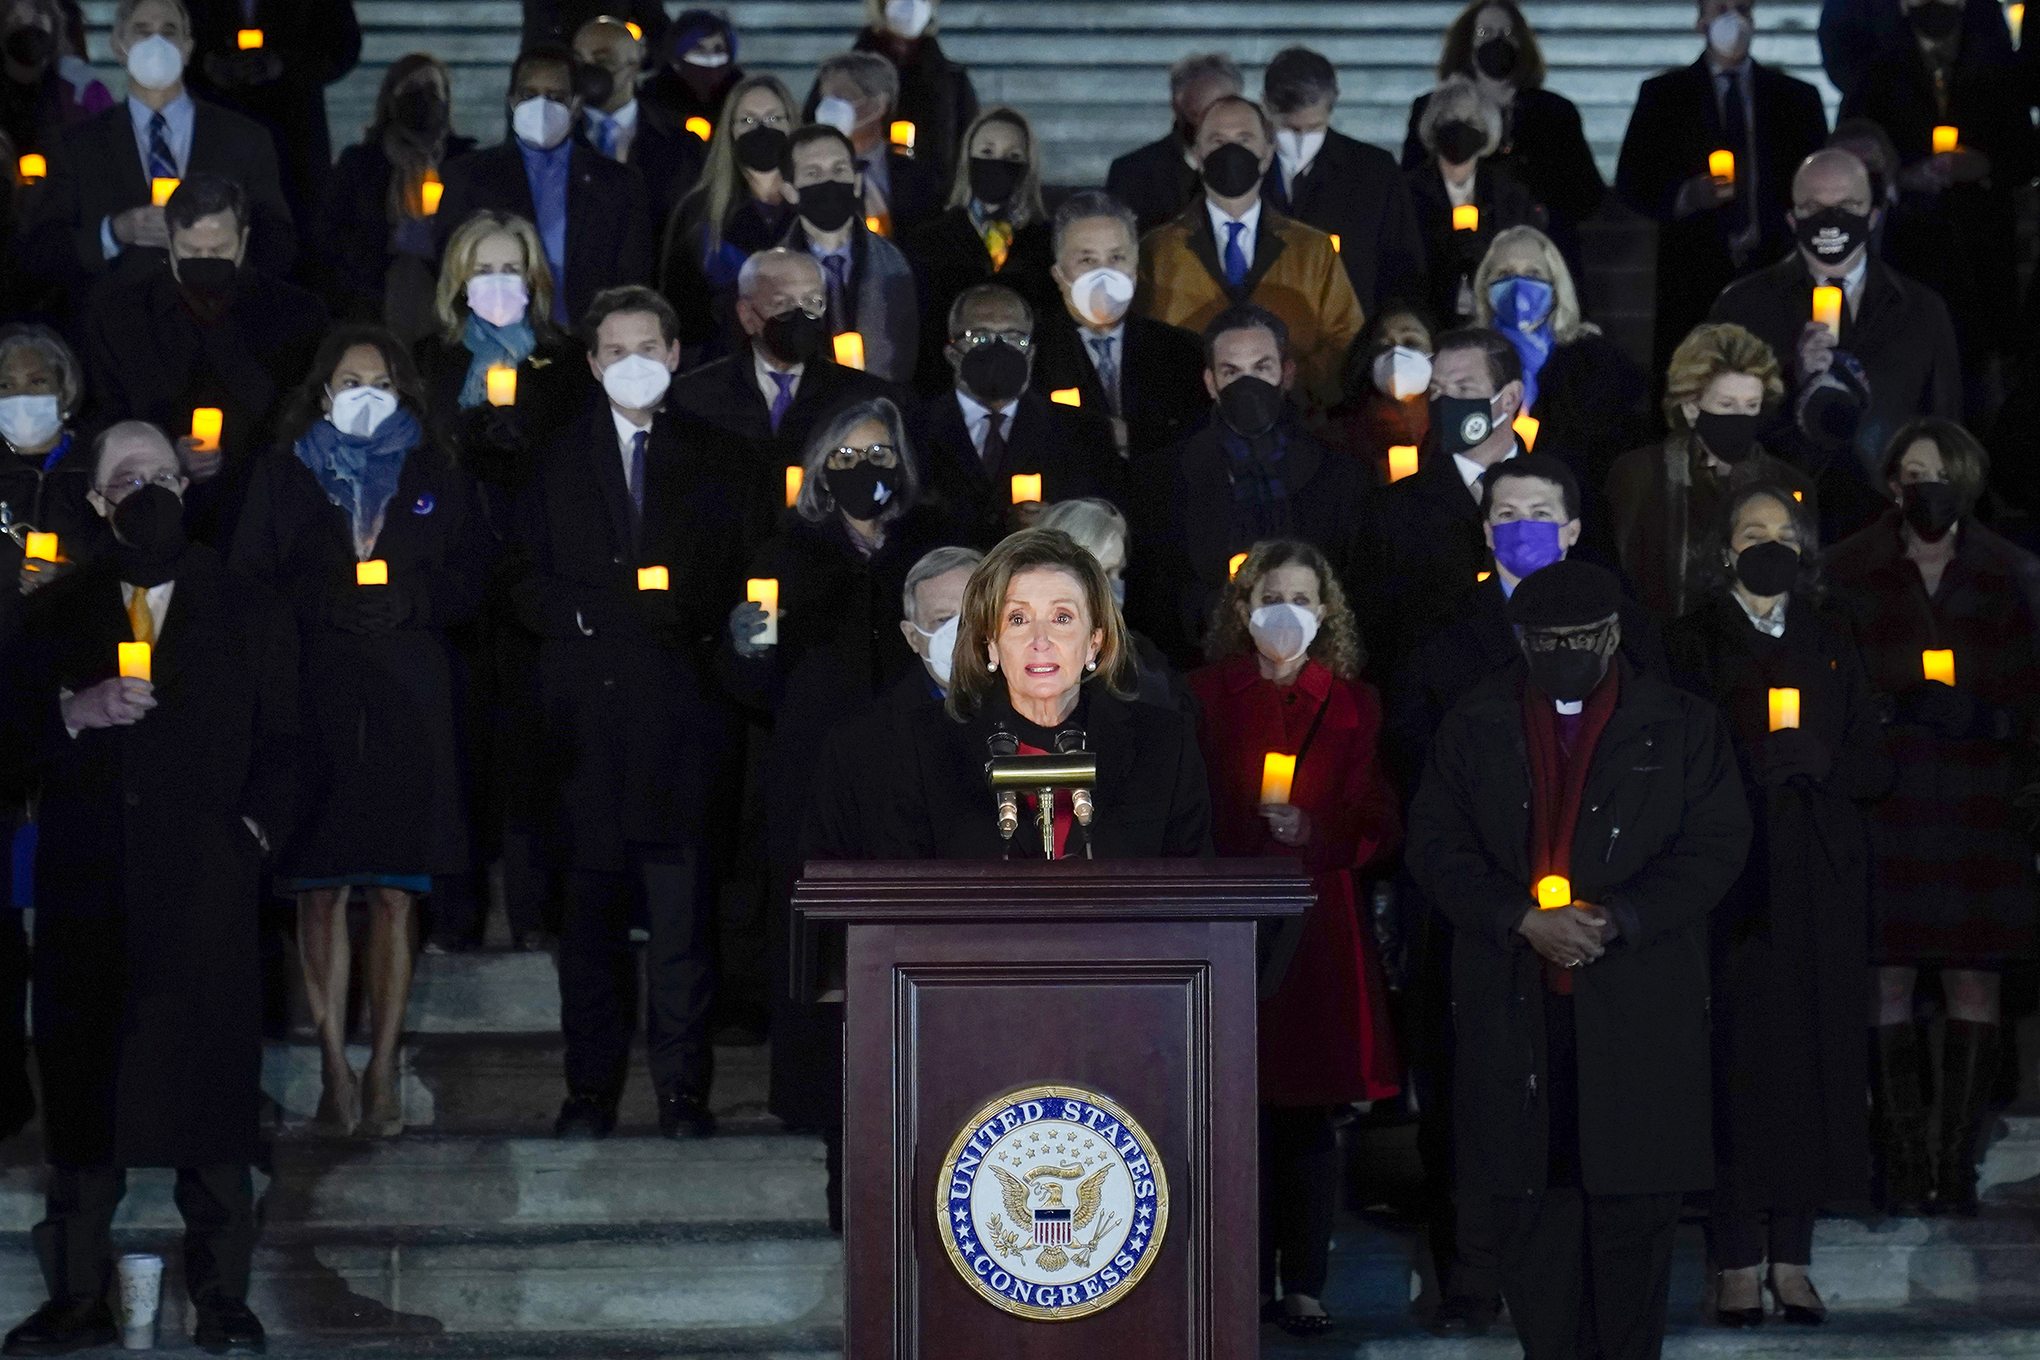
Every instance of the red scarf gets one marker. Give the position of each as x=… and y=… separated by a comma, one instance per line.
x=1558, y=781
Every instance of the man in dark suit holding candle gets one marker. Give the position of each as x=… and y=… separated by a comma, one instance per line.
x=156, y=797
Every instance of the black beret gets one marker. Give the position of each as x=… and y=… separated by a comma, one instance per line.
x=1567, y=594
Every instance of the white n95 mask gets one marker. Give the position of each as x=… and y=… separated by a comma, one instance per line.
x=362, y=410
x=1282, y=632
x=908, y=18
x=1102, y=295
x=839, y=114
x=154, y=63
x=635, y=382
x=941, y=647
x=1402, y=372
x=498, y=299
x=543, y=123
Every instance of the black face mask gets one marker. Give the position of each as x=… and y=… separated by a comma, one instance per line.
x=861, y=490
x=760, y=149
x=992, y=181
x=421, y=112
x=1930, y=507
x=1250, y=405
x=1728, y=437
x=994, y=373
x=1831, y=234
x=1934, y=21
x=1462, y=422
x=1567, y=674
x=828, y=205
x=1767, y=569
x=29, y=47
x=1460, y=142
x=1231, y=170
x=206, y=286
x=794, y=337
x=148, y=533
x=1496, y=58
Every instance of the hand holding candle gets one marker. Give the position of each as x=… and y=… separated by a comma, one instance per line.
x=1721, y=166
x=206, y=424
x=1278, y=777
x=134, y=660
x=41, y=547
x=1827, y=307
x=1553, y=891
x=765, y=591
x=1784, y=708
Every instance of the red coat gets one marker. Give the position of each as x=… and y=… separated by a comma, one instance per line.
x=1324, y=1035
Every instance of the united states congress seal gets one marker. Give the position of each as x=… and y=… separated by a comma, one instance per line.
x=1052, y=1202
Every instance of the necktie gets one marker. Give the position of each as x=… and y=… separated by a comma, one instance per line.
x=141, y=619
x=605, y=133
x=162, y=165
x=994, y=451
x=1108, y=370
x=838, y=269
x=998, y=241
x=1235, y=258
x=781, y=399
x=637, y=478
x=1735, y=128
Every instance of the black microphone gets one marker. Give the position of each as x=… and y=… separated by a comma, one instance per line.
x=1070, y=742
x=999, y=744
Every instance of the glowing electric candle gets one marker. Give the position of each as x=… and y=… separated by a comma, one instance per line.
x=850, y=350
x=875, y=225
x=1066, y=396
x=1721, y=165
x=1827, y=307
x=430, y=192
x=1233, y=565
x=1938, y=665
x=1278, y=776
x=765, y=591
x=1784, y=708
x=1946, y=138
x=1554, y=891
x=206, y=424
x=134, y=660
x=636, y=34
x=1402, y=461
x=32, y=167
x=1525, y=427
x=1466, y=217
x=502, y=386
x=2015, y=15
x=249, y=39
x=903, y=135
x=700, y=127
x=1026, y=487
x=41, y=547
x=373, y=572
x=654, y=578
x=160, y=190
x=1480, y=577
x=794, y=476
x=1335, y=242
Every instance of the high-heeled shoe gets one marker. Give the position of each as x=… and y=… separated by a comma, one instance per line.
x=339, y=1112
x=1737, y=1317
x=1798, y=1314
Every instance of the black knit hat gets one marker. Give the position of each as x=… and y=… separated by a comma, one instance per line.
x=1567, y=594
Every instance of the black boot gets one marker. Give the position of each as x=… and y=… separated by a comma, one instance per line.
x=1901, y=1115
x=1969, y=1058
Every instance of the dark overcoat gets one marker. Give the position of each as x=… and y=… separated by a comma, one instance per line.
x=1662, y=832
x=148, y=981
x=1790, y=941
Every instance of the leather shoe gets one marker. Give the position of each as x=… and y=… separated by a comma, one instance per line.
x=1464, y=1315
x=228, y=1327
x=585, y=1117
x=62, y=1326
x=683, y=1114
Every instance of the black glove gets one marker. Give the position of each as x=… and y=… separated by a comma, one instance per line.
x=344, y=609
x=384, y=609
x=1792, y=751
x=660, y=611
x=1949, y=712
x=492, y=444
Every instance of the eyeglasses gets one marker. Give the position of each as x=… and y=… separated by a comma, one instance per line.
x=119, y=490
x=849, y=455
x=813, y=307
x=1019, y=340
x=1592, y=638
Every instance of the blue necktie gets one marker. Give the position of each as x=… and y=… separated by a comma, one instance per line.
x=783, y=399
x=637, y=478
x=838, y=268
x=162, y=165
x=1235, y=258
x=606, y=133
x=1108, y=370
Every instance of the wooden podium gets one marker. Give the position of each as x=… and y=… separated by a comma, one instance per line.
x=1045, y=1063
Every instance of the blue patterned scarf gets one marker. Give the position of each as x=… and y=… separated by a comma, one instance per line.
x=359, y=472
x=493, y=347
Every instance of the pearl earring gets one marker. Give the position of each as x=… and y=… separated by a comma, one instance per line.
x=1090, y=665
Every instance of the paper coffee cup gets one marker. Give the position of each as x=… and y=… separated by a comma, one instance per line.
x=141, y=1290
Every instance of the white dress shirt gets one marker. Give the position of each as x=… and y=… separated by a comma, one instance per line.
x=763, y=372
x=1471, y=472
x=626, y=120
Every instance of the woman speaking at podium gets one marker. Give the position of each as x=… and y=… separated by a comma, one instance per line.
x=1043, y=666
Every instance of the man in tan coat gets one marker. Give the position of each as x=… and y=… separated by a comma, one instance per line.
x=1228, y=248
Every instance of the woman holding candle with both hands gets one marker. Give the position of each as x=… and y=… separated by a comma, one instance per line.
x=1952, y=881
x=1788, y=940
x=359, y=478
x=1284, y=679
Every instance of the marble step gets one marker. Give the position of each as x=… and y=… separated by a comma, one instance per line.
x=2011, y=1167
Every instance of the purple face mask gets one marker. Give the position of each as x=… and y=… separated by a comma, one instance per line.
x=1524, y=545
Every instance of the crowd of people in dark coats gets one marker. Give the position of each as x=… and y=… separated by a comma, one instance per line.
x=538, y=527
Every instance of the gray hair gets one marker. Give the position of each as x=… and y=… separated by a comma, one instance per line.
x=868, y=71
x=1090, y=521
x=815, y=504
x=980, y=290
x=55, y=353
x=747, y=277
x=1458, y=100
x=1087, y=204
x=125, y=429
x=940, y=562
x=1203, y=66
